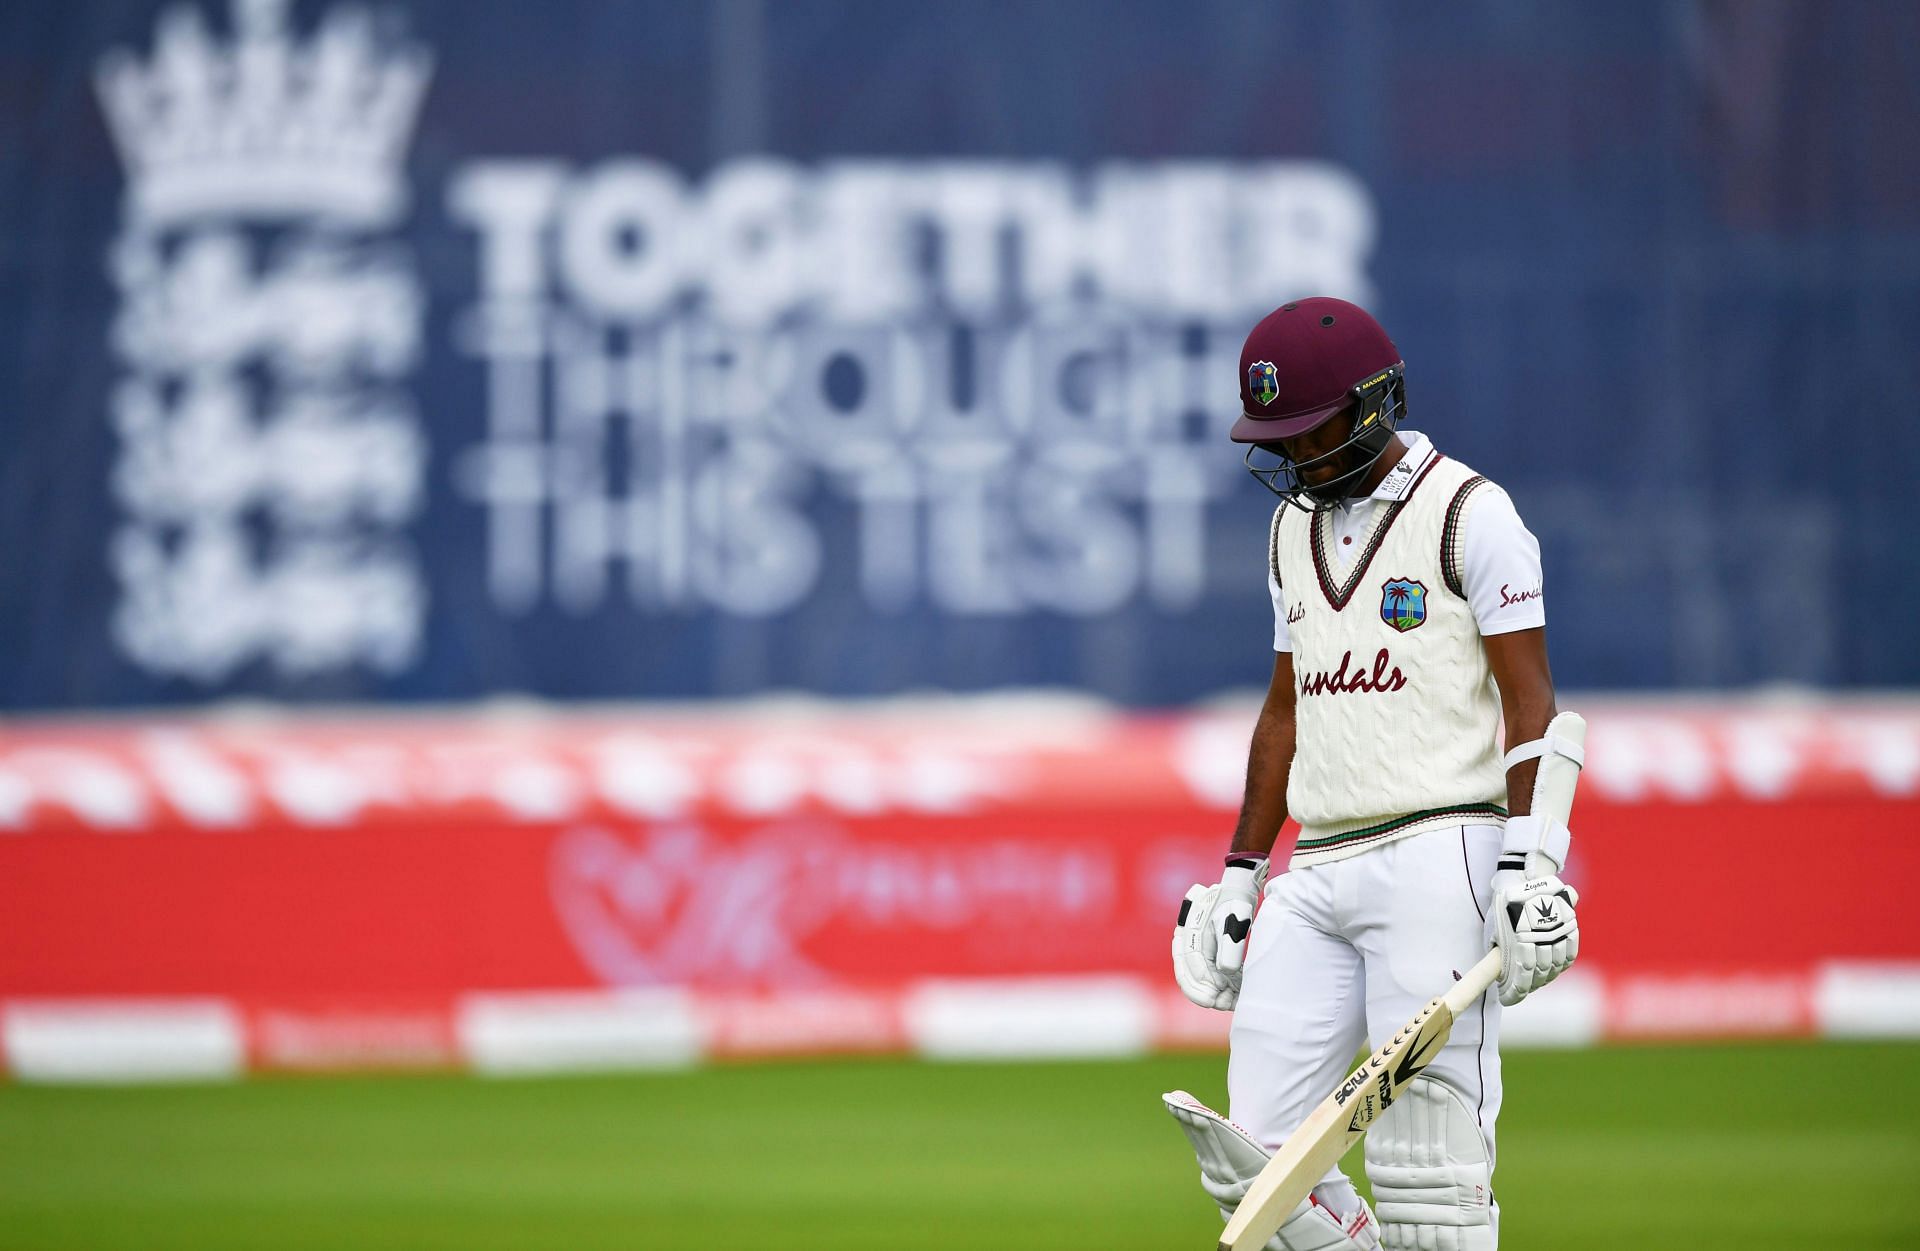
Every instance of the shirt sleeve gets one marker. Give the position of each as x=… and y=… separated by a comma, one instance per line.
x=1282, y=637
x=1501, y=567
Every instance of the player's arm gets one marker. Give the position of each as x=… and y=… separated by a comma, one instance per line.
x=1519, y=663
x=1210, y=935
x=1531, y=914
x=1500, y=574
x=1263, y=810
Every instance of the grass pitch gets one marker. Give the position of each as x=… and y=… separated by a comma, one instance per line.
x=1749, y=1147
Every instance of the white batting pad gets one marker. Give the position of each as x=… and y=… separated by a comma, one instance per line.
x=1229, y=1161
x=1229, y=1157
x=1432, y=1180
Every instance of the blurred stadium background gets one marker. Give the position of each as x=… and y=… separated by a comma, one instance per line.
x=687, y=554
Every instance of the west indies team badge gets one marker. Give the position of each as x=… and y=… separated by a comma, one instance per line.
x=1263, y=382
x=1403, y=603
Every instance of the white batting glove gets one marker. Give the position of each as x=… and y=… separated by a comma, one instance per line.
x=1210, y=935
x=1532, y=921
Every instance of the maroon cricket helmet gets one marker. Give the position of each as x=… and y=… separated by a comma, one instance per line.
x=1303, y=363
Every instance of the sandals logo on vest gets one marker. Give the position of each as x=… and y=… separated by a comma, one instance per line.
x=1385, y=676
x=1403, y=603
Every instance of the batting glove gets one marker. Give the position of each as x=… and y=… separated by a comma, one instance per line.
x=1532, y=921
x=1210, y=935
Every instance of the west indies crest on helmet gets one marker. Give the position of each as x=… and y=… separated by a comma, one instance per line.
x=1307, y=363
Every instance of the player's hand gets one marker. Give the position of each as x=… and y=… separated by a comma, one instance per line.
x=1532, y=921
x=1210, y=935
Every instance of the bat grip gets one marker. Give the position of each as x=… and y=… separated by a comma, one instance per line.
x=1474, y=982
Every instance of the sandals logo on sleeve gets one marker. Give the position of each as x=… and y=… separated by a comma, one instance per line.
x=1403, y=603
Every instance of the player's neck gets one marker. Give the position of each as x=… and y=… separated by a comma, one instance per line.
x=1381, y=468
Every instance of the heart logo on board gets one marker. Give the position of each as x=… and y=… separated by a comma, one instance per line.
x=674, y=906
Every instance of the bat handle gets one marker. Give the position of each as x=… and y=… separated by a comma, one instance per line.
x=1474, y=982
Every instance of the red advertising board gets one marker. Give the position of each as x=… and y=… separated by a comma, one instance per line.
x=383, y=869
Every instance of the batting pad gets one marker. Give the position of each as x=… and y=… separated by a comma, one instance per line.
x=1229, y=1161
x=1432, y=1180
x=1229, y=1157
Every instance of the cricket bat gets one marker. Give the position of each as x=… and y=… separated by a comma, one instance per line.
x=1334, y=1126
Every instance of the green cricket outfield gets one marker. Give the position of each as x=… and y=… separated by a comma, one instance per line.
x=1786, y=1146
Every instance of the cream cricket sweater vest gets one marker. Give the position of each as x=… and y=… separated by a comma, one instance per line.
x=1395, y=706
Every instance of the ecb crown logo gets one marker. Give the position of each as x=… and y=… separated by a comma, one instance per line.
x=270, y=456
x=269, y=125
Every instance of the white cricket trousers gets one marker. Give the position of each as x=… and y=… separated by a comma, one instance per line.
x=1349, y=951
